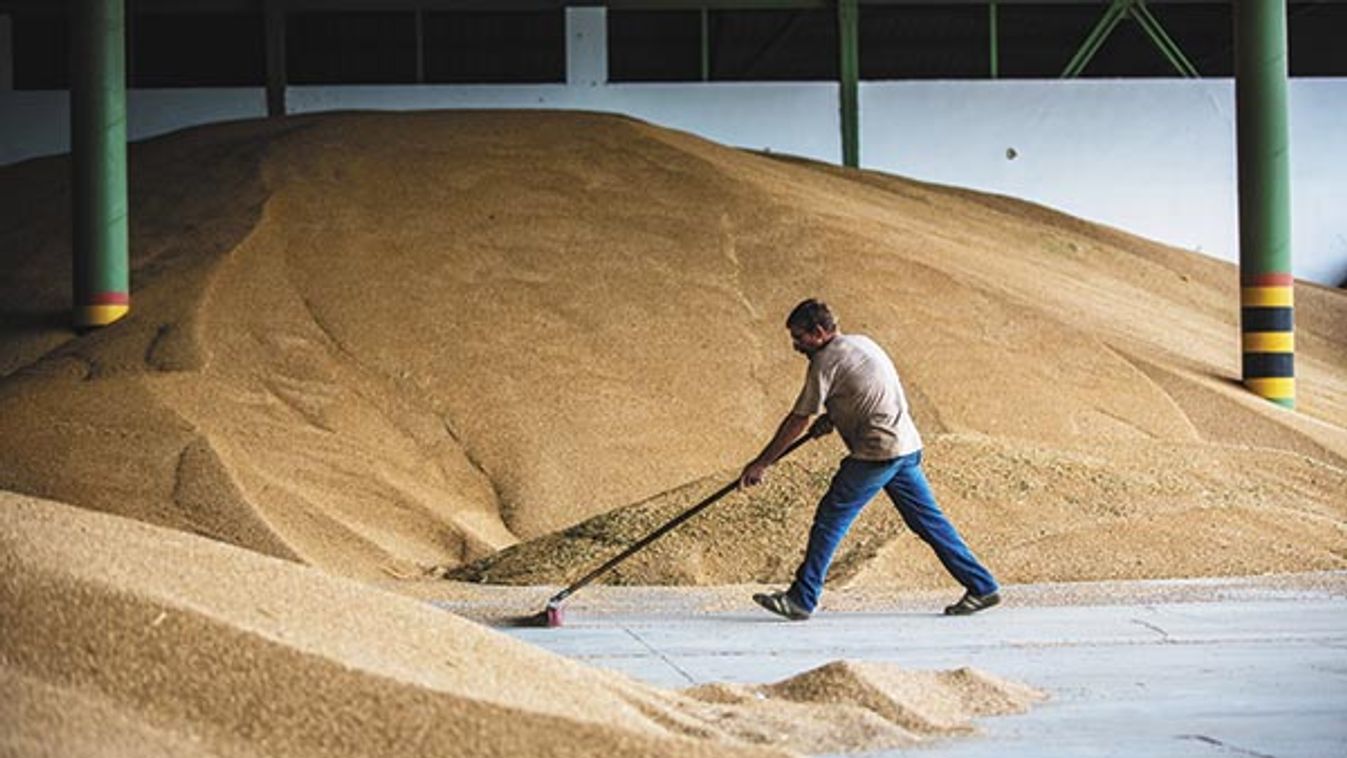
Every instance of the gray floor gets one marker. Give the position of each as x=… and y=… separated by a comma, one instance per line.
x=1263, y=674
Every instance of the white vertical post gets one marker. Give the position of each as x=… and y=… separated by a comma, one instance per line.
x=6, y=53
x=586, y=46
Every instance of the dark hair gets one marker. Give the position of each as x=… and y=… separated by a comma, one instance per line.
x=811, y=314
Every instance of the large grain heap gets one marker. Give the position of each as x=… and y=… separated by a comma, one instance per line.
x=498, y=346
x=381, y=344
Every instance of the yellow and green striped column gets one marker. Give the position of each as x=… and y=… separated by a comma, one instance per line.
x=98, y=160
x=1267, y=320
x=1267, y=314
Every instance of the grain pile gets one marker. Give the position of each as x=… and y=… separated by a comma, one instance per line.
x=1122, y=511
x=127, y=639
x=387, y=344
x=855, y=706
x=500, y=346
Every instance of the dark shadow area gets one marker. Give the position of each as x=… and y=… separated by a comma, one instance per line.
x=33, y=321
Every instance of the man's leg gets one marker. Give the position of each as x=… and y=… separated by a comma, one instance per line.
x=854, y=485
x=912, y=495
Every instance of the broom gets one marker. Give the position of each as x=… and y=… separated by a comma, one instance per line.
x=552, y=615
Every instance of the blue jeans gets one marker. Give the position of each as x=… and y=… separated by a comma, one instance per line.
x=854, y=485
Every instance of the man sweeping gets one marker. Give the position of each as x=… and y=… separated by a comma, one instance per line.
x=852, y=379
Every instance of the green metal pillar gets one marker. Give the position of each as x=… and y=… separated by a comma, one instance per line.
x=420, y=46
x=6, y=53
x=98, y=158
x=706, y=45
x=849, y=95
x=1267, y=308
x=274, y=21
x=993, y=28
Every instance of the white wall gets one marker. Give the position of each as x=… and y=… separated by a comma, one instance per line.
x=1156, y=157
x=36, y=123
x=1319, y=178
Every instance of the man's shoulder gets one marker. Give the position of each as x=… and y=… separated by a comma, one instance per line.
x=846, y=350
x=860, y=343
x=836, y=350
x=863, y=353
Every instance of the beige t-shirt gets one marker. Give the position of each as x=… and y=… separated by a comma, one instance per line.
x=854, y=380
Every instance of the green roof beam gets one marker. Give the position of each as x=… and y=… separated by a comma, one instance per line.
x=1095, y=39
x=1116, y=12
x=1151, y=25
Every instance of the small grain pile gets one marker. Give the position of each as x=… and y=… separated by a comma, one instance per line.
x=848, y=706
x=1120, y=511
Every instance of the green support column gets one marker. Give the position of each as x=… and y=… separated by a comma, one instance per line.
x=274, y=20
x=98, y=158
x=1267, y=308
x=420, y=47
x=994, y=31
x=849, y=95
x=706, y=45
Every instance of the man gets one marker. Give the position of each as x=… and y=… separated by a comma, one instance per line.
x=853, y=379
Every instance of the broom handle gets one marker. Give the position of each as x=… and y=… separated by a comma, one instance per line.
x=663, y=530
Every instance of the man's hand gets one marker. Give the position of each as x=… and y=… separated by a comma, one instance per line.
x=822, y=426
x=752, y=475
x=790, y=428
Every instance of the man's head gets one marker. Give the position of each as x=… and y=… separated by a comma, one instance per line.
x=811, y=326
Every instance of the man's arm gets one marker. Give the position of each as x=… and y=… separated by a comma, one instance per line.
x=791, y=427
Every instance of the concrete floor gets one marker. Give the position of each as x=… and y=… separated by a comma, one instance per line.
x=1257, y=672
